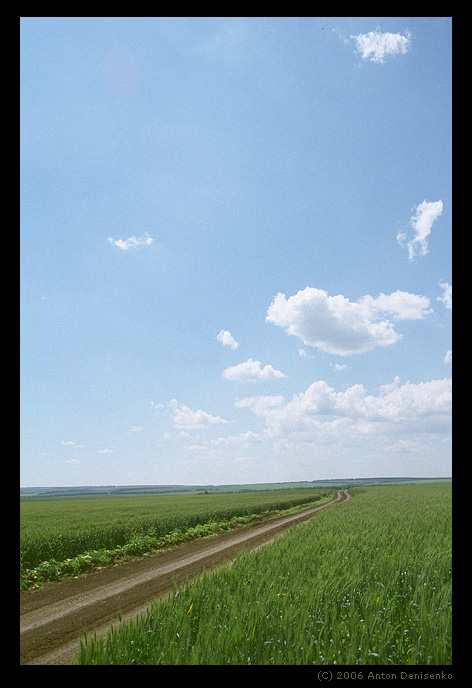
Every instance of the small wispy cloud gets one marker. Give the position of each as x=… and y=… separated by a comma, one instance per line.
x=186, y=419
x=426, y=214
x=376, y=46
x=252, y=371
x=132, y=242
x=227, y=339
x=72, y=444
x=446, y=298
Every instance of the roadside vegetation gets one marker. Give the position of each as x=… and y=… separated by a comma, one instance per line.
x=367, y=581
x=68, y=536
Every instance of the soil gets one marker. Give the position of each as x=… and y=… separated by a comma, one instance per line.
x=53, y=618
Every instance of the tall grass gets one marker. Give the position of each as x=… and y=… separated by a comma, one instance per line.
x=367, y=581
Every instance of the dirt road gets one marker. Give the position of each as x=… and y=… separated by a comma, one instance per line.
x=54, y=618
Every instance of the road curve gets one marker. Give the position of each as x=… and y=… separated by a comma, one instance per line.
x=54, y=618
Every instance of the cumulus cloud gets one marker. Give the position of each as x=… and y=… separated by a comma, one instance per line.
x=407, y=408
x=227, y=339
x=376, y=46
x=186, y=419
x=399, y=304
x=422, y=221
x=132, y=242
x=251, y=371
x=338, y=326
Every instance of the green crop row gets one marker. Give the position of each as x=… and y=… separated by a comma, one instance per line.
x=68, y=536
x=138, y=546
x=367, y=581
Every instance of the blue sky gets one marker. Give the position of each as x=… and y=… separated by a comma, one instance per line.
x=235, y=249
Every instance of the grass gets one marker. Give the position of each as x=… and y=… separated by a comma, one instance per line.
x=367, y=581
x=67, y=536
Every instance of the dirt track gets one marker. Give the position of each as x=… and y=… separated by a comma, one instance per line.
x=53, y=618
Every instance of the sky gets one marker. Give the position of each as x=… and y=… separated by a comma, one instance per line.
x=235, y=249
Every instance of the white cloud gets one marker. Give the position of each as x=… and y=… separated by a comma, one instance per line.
x=251, y=371
x=400, y=304
x=375, y=46
x=446, y=298
x=132, y=242
x=304, y=354
x=426, y=214
x=186, y=419
x=227, y=339
x=339, y=326
x=72, y=444
x=244, y=439
x=261, y=403
x=320, y=411
x=448, y=356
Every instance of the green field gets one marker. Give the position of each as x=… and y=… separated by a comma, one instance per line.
x=368, y=581
x=68, y=535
